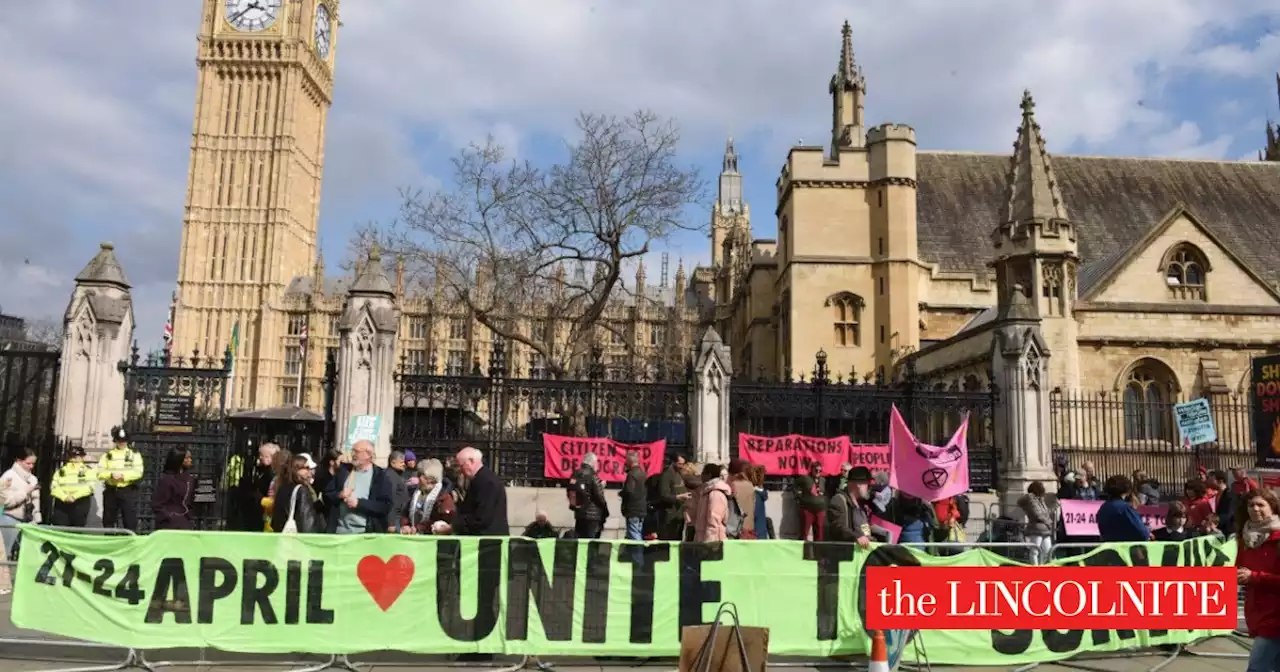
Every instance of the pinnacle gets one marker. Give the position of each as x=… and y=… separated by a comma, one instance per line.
x=1032, y=189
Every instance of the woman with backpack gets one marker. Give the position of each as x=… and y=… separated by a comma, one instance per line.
x=712, y=518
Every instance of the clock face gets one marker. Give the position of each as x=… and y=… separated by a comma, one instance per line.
x=324, y=30
x=252, y=15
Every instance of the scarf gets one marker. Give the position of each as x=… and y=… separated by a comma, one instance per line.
x=1256, y=533
x=420, y=509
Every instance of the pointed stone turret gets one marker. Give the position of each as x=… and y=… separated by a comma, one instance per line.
x=367, y=352
x=400, y=275
x=1272, y=151
x=709, y=399
x=1032, y=192
x=848, y=90
x=104, y=269
x=97, y=333
x=640, y=291
x=317, y=276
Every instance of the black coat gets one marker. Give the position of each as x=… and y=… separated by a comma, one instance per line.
x=635, y=493
x=483, y=511
x=305, y=514
x=172, y=501
x=375, y=508
x=592, y=505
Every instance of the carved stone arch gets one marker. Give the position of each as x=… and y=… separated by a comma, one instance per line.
x=1185, y=269
x=1152, y=366
x=363, y=335
x=83, y=329
x=1192, y=252
x=1148, y=388
x=840, y=297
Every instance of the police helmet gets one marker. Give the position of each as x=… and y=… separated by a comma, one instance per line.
x=75, y=451
x=118, y=435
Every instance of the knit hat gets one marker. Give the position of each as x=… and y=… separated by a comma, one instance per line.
x=409, y=456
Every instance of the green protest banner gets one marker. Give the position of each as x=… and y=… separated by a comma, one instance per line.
x=266, y=593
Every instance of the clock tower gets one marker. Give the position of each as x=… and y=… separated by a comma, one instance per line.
x=265, y=83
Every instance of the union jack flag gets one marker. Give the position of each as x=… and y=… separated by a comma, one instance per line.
x=168, y=324
x=302, y=337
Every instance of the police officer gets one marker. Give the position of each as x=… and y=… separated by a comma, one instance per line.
x=73, y=490
x=120, y=469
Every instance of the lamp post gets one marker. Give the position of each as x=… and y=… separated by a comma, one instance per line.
x=820, y=378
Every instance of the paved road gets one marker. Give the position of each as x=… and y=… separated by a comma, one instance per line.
x=24, y=650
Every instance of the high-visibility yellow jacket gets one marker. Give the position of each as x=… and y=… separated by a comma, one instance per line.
x=73, y=481
x=124, y=461
x=235, y=470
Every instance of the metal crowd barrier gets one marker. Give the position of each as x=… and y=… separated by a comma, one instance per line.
x=132, y=657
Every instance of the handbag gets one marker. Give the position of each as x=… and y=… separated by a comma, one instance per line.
x=291, y=525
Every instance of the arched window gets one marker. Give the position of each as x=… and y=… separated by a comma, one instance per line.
x=1148, y=402
x=1185, y=268
x=846, y=316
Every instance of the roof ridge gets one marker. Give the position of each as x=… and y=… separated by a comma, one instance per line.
x=1057, y=156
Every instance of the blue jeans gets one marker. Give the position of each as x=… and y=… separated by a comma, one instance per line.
x=1265, y=655
x=635, y=529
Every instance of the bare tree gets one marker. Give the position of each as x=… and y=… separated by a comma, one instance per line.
x=509, y=237
x=46, y=331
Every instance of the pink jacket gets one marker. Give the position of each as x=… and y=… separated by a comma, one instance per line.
x=712, y=512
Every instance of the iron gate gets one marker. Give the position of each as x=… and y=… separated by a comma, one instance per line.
x=177, y=402
x=829, y=404
x=504, y=411
x=28, y=401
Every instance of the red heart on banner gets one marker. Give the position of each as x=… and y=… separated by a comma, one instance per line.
x=385, y=580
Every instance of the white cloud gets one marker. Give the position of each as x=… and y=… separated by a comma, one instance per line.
x=97, y=112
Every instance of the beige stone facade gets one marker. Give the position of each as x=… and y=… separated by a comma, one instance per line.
x=1138, y=270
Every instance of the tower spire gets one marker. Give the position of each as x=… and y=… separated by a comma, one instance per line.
x=1033, y=193
x=1272, y=151
x=848, y=90
x=730, y=196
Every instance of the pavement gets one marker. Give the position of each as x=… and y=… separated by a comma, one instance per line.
x=29, y=651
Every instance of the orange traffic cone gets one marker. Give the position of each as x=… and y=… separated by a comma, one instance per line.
x=879, y=655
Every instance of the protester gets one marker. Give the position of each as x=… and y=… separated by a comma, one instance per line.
x=120, y=469
x=396, y=463
x=712, y=513
x=410, y=470
x=1258, y=570
x=20, y=490
x=1225, y=501
x=1199, y=502
x=1175, y=524
x=175, y=492
x=257, y=489
x=1241, y=483
x=280, y=461
x=483, y=509
x=916, y=518
x=849, y=513
x=295, y=498
x=744, y=494
x=431, y=502
x=587, y=500
x=1084, y=484
x=691, y=474
x=333, y=459
x=72, y=490
x=1210, y=527
x=1117, y=519
x=672, y=497
x=540, y=528
x=1038, y=530
x=812, y=505
x=764, y=527
x=1146, y=488
x=635, y=495
x=949, y=530
x=362, y=492
x=882, y=499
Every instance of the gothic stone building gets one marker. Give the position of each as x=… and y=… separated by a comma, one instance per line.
x=1150, y=277
x=249, y=262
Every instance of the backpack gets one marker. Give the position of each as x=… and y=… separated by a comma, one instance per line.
x=576, y=494
x=734, y=520
x=962, y=506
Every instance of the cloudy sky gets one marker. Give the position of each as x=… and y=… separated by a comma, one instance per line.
x=98, y=97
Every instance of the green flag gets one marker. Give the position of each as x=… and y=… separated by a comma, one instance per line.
x=235, y=340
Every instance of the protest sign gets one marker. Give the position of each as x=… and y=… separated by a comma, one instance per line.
x=1080, y=517
x=562, y=455
x=363, y=428
x=871, y=456
x=235, y=591
x=1195, y=422
x=930, y=473
x=792, y=454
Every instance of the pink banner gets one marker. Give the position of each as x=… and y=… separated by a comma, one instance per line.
x=894, y=531
x=931, y=473
x=563, y=454
x=1080, y=517
x=791, y=455
x=873, y=457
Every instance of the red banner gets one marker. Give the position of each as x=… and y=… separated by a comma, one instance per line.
x=872, y=456
x=563, y=454
x=791, y=455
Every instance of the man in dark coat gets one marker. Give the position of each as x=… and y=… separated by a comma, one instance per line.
x=635, y=497
x=672, y=496
x=483, y=512
x=593, y=508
